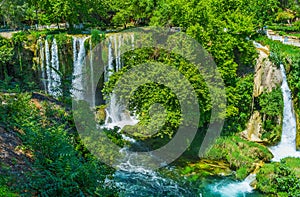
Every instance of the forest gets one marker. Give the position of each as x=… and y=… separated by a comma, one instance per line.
x=51, y=88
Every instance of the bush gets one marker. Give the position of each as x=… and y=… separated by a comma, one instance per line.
x=280, y=178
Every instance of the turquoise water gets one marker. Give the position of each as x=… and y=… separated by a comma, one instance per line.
x=150, y=183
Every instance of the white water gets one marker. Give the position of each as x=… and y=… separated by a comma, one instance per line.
x=78, y=59
x=116, y=47
x=283, y=40
x=235, y=189
x=110, y=68
x=48, y=69
x=42, y=64
x=132, y=41
x=287, y=146
x=93, y=90
x=116, y=114
x=55, y=79
x=52, y=79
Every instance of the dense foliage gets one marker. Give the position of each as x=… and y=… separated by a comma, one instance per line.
x=61, y=165
x=17, y=13
x=271, y=105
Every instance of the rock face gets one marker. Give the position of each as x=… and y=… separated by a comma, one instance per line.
x=254, y=128
x=267, y=77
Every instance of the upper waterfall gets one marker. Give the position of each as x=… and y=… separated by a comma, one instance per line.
x=79, y=55
x=49, y=56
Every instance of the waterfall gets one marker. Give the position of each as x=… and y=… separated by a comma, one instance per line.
x=110, y=67
x=284, y=39
x=92, y=75
x=48, y=68
x=79, y=57
x=234, y=189
x=116, y=115
x=116, y=51
x=132, y=41
x=50, y=72
x=42, y=64
x=287, y=146
x=119, y=54
x=55, y=81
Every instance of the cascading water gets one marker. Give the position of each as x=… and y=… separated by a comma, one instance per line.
x=287, y=146
x=233, y=189
x=79, y=56
x=92, y=75
x=116, y=51
x=42, y=64
x=132, y=41
x=48, y=68
x=50, y=76
x=116, y=115
x=110, y=68
x=55, y=81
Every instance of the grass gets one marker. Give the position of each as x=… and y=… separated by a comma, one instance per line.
x=284, y=28
x=294, y=164
x=283, y=49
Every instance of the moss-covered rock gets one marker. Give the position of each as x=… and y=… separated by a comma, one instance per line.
x=206, y=167
x=196, y=170
x=241, y=155
x=101, y=114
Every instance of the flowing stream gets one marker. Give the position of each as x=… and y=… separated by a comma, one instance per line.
x=287, y=145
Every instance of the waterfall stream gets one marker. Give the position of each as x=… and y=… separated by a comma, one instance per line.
x=51, y=77
x=48, y=68
x=42, y=64
x=287, y=145
x=93, y=90
x=55, y=81
x=78, y=58
x=116, y=114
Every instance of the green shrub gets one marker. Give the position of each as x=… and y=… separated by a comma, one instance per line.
x=280, y=178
